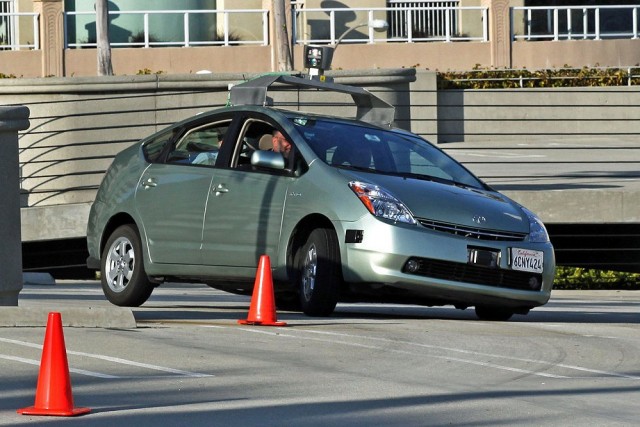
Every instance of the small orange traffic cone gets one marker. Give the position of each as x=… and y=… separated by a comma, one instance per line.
x=53, y=393
x=262, y=311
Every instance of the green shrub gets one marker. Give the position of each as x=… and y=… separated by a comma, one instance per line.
x=480, y=78
x=146, y=72
x=582, y=278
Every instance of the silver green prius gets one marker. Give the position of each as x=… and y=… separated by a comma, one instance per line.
x=346, y=209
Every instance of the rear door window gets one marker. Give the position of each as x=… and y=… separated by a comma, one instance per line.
x=200, y=146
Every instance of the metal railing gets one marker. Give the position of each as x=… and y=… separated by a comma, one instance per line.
x=574, y=22
x=428, y=18
x=10, y=34
x=409, y=21
x=315, y=25
x=224, y=36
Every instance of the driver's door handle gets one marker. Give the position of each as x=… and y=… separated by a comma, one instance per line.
x=219, y=189
x=149, y=183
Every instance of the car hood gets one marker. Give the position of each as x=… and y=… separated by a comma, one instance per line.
x=451, y=204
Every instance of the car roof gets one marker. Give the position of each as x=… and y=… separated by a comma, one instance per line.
x=369, y=108
x=275, y=111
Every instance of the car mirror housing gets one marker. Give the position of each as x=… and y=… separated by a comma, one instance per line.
x=267, y=159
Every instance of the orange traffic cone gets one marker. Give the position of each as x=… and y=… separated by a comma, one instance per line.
x=53, y=393
x=262, y=310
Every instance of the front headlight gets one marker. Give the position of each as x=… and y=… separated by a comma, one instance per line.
x=381, y=203
x=537, y=230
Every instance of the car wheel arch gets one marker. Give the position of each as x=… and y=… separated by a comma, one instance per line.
x=299, y=236
x=113, y=223
x=315, y=266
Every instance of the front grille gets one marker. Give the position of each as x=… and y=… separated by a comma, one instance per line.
x=469, y=273
x=471, y=232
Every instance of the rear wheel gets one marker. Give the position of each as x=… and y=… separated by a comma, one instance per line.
x=497, y=314
x=319, y=277
x=124, y=280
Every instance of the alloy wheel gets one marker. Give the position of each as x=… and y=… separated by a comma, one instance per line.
x=120, y=264
x=309, y=269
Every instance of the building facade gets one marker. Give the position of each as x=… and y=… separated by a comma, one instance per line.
x=41, y=38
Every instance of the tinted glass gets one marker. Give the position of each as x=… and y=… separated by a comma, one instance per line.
x=153, y=149
x=199, y=146
x=375, y=150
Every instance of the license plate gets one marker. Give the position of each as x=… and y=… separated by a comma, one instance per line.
x=527, y=260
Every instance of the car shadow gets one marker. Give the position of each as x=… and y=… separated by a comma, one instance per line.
x=556, y=312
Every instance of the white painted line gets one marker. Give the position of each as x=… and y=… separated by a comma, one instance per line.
x=140, y=365
x=384, y=348
x=499, y=155
x=475, y=353
x=75, y=371
x=114, y=360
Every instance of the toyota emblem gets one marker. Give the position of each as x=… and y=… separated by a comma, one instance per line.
x=479, y=219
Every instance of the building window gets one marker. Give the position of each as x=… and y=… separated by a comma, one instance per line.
x=7, y=23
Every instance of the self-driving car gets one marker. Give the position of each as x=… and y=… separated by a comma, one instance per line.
x=346, y=209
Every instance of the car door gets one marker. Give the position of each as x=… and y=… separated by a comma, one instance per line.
x=172, y=195
x=245, y=206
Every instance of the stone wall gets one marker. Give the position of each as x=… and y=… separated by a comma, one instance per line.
x=517, y=139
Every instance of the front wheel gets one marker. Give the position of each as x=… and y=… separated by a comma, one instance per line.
x=124, y=280
x=319, y=277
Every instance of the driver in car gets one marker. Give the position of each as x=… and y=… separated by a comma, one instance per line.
x=280, y=144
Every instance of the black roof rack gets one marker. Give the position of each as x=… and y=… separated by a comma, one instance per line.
x=370, y=108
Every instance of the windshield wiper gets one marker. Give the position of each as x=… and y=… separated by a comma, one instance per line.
x=425, y=177
x=358, y=168
x=405, y=175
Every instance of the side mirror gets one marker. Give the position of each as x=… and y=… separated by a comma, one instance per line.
x=267, y=159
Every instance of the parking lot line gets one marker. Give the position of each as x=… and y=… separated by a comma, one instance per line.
x=117, y=360
x=476, y=353
x=446, y=349
x=384, y=348
x=74, y=370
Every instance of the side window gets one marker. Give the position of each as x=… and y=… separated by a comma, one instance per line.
x=258, y=135
x=199, y=146
x=153, y=149
x=255, y=135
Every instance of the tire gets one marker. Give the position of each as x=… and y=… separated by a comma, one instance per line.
x=288, y=302
x=319, y=273
x=495, y=314
x=124, y=280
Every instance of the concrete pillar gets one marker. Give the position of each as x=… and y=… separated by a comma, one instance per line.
x=12, y=119
x=273, y=41
x=51, y=36
x=499, y=32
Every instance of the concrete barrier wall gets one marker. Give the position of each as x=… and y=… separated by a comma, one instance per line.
x=572, y=155
x=538, y=114
x=78, y=124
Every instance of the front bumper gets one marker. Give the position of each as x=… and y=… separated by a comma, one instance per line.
x=445, y=273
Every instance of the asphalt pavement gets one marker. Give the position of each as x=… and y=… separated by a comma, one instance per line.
x=186, y=361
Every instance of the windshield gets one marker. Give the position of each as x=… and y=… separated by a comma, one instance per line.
x=374, y=150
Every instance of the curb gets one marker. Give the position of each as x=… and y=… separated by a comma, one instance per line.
x=78, y=317
x=37, y=279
